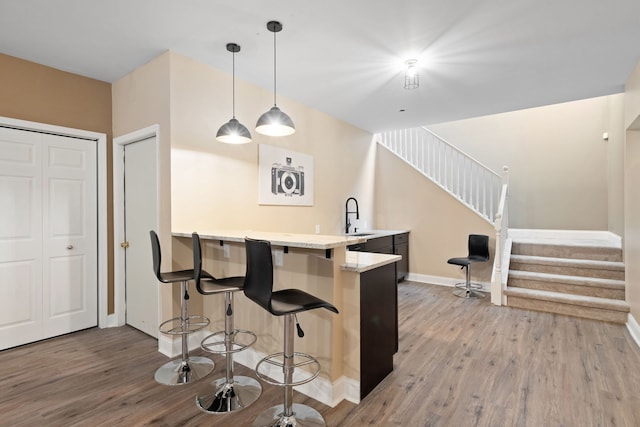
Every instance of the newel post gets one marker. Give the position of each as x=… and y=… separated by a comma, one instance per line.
x=501, y=226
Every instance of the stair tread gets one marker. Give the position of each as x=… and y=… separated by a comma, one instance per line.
x=562, y=278
x=581, y=300
x=568, y=262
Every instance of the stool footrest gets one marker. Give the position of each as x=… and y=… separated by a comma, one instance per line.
x=277, y=359
x=174, y=326
x=215, y=343
x=463, y=285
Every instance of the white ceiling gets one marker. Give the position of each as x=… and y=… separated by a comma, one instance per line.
x=344, y=57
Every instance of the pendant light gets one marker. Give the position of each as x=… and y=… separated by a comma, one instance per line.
x=233, y=132
x=275, y=122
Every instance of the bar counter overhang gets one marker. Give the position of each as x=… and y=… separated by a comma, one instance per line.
x=318, y=264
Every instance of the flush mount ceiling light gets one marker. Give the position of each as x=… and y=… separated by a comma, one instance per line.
x=233, y=132
x=411, y=77
x=275, y=122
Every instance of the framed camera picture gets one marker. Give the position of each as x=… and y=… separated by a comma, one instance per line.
x=285, y=177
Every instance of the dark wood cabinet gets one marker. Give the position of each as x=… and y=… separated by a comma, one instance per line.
x=401, y=247
x=379, y=245
x=379, y=308
x=397, y=244
x=378, y=325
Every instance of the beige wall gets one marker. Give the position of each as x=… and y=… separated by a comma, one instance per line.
x=439, y=224
x=33, y=92
x=615, y=171
x=226, y=194
x=207, y=184
x=632, y=191
x=563, y=175
x=142, y=99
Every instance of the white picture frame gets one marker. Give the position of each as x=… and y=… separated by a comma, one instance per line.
x=285, y=177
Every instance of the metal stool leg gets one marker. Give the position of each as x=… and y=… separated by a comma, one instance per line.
x=232, y=393
x=187, y=369
x=289, y=414
x=468, y=291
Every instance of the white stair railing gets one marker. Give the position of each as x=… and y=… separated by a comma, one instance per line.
x=465, y=178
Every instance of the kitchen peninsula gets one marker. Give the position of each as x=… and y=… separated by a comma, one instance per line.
x=355, y=347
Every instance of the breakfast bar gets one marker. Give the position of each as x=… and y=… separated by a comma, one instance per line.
x=355, y=348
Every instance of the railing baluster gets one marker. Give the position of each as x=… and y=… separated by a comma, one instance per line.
x=465, y=178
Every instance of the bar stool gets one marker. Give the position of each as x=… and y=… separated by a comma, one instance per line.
x=189, y=368
x=478, y=251
x=232, y=392
x=258, y=287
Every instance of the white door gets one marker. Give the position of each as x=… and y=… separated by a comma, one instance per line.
x=140, y=216
x=48, y=236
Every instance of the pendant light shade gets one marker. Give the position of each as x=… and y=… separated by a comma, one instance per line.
x=233, y=132
x=275, y=122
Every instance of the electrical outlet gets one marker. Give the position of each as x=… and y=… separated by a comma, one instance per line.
x=277, y=257
x=317, y=228
x=227, y=251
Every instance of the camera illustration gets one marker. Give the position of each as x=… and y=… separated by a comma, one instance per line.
x=287, y=179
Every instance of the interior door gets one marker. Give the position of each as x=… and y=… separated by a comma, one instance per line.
x=70, y=235
x=48, y=236
x=140, y=216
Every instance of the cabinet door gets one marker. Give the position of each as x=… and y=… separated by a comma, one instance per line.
x=401, y=247
x=378, y=326
x=380, y=245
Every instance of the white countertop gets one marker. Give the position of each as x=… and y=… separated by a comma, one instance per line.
x=360, y=262
x=294, y=240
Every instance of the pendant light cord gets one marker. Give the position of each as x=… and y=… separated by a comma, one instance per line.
x=274, y=68
x=233, y=85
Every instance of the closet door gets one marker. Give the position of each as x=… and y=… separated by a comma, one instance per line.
x=48, y=236
x=70, y=230
x=20, y=237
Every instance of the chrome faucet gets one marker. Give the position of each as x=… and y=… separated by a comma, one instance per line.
x=347, y=212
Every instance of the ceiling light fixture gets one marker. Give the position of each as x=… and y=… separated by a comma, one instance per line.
x=275, y=122
x=233, y=132
x=411, y=77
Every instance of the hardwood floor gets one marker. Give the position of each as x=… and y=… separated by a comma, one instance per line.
x=461, y=363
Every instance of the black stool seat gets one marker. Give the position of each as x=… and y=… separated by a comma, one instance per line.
x=210, y=285
x=292, y=301
x=187, y=369
x=175, y=276
x=463, y=262
x=233, y=392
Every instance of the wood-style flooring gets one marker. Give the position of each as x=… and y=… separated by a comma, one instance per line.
x=460, y=363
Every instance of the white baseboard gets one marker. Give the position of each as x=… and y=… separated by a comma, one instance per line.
x=634, y=328
x=112, y=322
x=171, y=347
x=442, y=281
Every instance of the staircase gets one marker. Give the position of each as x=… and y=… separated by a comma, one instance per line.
x=576, y=277
x=465, y=179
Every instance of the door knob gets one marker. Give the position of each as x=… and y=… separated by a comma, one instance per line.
x=124, y=245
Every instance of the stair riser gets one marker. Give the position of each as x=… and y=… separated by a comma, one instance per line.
x=568, y=271
x=562, y=251
x=567, y=288
x=567, y=309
